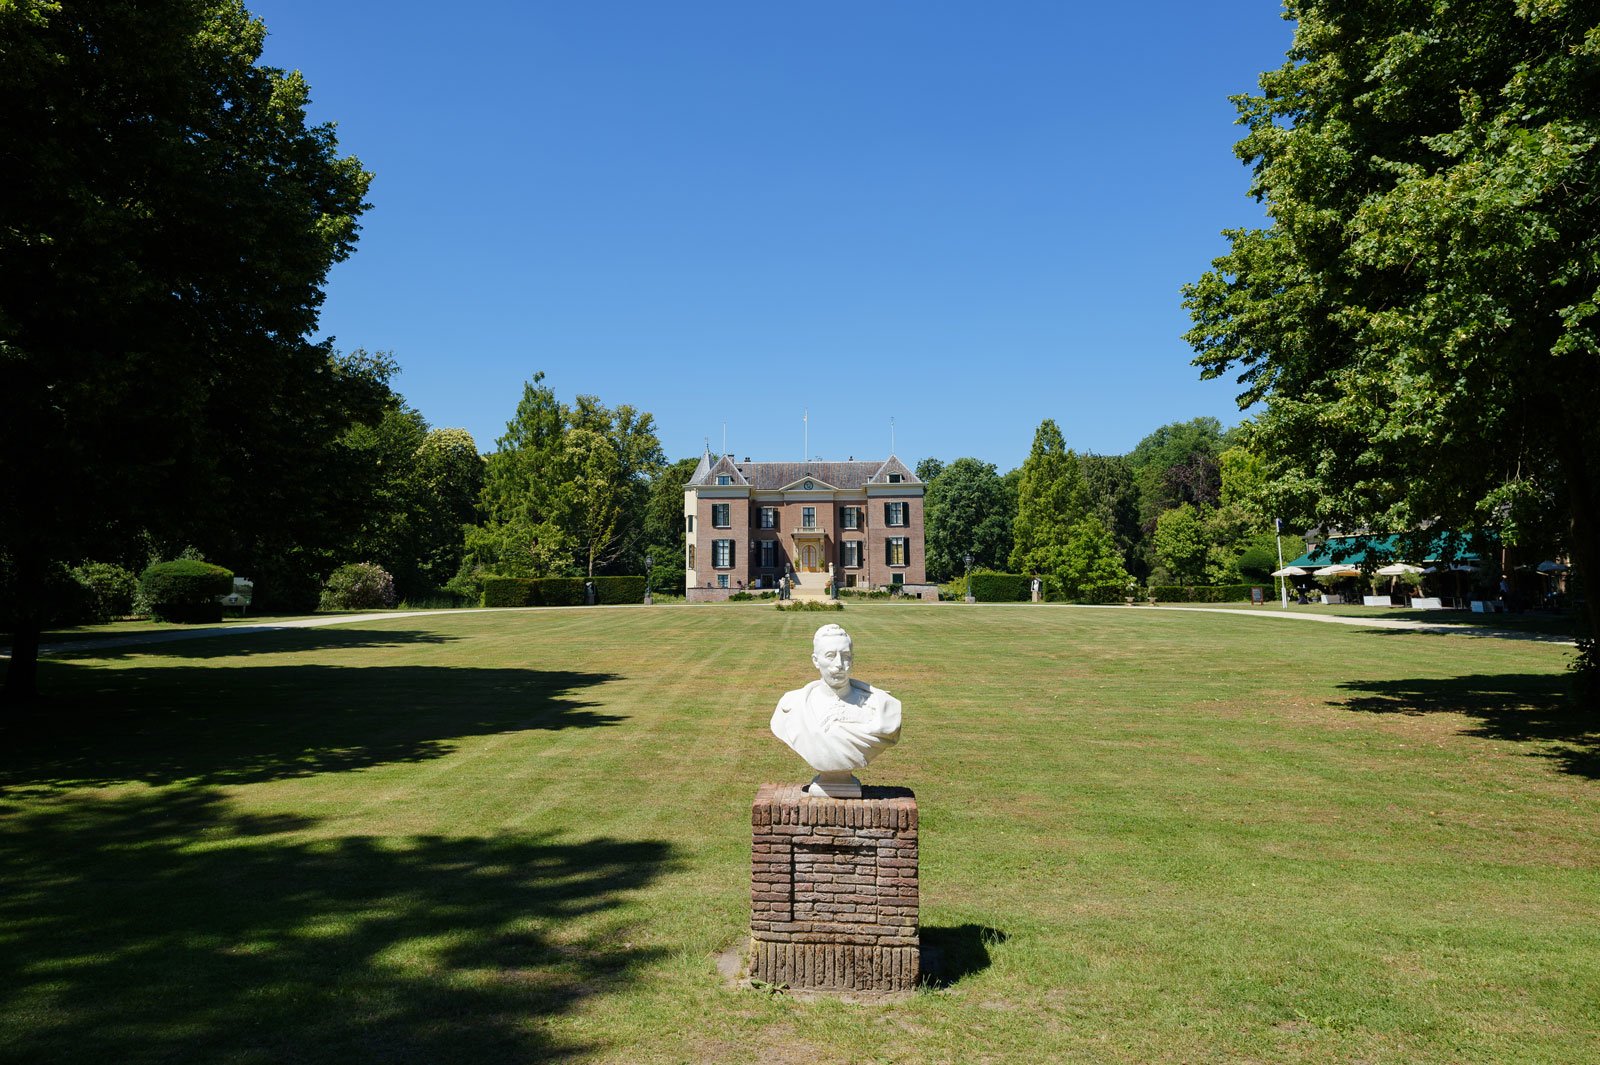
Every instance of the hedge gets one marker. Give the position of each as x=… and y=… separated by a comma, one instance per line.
x=506, y=591
x=616, y=590
x=560, y=591
x=186, y=590
x=1221, y=593
x=1001, y=587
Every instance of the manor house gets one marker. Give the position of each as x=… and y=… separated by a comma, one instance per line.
x=749, y=523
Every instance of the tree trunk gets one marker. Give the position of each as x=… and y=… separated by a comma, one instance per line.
x=1584, y=509
x=22, y=672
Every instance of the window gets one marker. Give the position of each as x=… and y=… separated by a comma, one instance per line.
x=808, y=517
x=691, y=556
x=895, y=478
x=850, y=517
x=722, y=554
x=896, y=550
x=897, y=578
x=769, y=517
x=769, y=554
x=852, y=554
x=690, y=519
x=895, y=513
x=723, y=478
x=722, y=580
x=719, y=516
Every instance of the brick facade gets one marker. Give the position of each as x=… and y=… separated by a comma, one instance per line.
x=833, y=890
x=787, y=490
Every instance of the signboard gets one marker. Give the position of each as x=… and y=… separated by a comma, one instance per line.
x=1258, y=595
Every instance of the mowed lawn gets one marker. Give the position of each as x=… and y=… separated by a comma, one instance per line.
x=1147, y=836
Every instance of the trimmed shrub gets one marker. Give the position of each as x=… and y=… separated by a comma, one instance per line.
x=186, y=590
x=108, y=590
x=507, y=591
x=358, y=586
x=1000, y=587
x=1220, y=593
x=619, y=590
x=560, y=591
x=809, y=604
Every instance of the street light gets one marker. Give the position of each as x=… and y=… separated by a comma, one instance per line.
x=967, y=558
x=1283, y=581
x=648, y=562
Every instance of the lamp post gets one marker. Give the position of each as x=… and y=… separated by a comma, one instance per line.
x=967, y=558
x=1283, y=582
x=648, y=562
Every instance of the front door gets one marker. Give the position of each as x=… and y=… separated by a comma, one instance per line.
x=810, y=558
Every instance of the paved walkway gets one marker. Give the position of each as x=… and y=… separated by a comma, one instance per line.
x=1440, y=628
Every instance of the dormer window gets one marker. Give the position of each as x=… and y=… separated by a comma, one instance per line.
x=895, y=478
x=724, y=478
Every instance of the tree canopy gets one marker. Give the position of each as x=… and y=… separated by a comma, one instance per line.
x=168, y=222
x=1422, y=314
x=966, y=508
x=566, y=490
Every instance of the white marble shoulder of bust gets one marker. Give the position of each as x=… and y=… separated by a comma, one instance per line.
x=793, y=700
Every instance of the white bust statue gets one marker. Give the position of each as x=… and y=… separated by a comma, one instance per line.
x=835, y=723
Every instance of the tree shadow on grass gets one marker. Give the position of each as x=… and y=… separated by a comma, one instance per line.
x=951, y=954
x=225, y=643
x=249, y=721
x=170, y=928
x=1517, y=707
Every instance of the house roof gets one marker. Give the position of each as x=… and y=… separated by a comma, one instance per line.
x=772, y=476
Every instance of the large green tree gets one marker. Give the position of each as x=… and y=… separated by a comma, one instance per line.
x=966, y=508
x=1421, y=315
x=167, y=223
x=1176, y=464
x=1114, y=497
x=664, y=531
x=1052, y=496
x=566, y=489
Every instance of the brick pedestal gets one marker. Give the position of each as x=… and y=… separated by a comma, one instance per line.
x=833, y=890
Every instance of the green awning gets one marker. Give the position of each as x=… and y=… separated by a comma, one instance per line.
x=1361, y=551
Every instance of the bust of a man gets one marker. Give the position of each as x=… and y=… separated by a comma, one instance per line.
x=835, y=723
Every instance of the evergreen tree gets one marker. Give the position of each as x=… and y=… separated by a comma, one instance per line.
x=1051, y=496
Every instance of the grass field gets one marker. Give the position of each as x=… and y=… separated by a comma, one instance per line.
x=524, y=835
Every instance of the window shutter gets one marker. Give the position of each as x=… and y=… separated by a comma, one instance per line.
x=730, y=554
x=888, y=552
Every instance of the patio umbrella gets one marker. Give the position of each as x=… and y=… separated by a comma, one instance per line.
x=1339, y=570
x=1290, y=571
x=1552, y=567
x=1398, y=569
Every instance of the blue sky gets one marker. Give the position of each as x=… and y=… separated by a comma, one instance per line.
x=966, y=217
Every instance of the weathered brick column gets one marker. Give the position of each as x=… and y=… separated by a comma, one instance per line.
x=833, y=890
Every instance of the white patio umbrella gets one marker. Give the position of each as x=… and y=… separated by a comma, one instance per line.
x=1290, y=571
x=1398, y=569
x=1338, y=570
